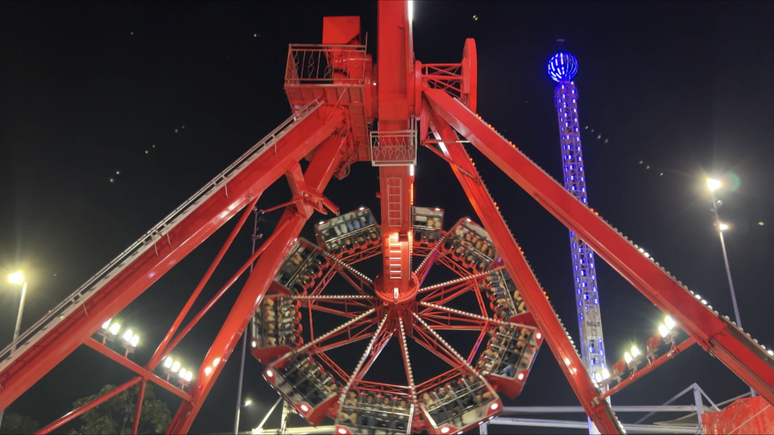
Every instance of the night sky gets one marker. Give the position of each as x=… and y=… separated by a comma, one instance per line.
x=113, y=114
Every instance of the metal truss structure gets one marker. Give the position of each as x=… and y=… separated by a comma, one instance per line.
x=336, y=101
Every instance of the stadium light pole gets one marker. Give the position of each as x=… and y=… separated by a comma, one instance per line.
x=16, y=278
x=713, y=185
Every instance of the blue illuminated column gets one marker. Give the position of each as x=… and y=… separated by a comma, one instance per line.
x=562, y=68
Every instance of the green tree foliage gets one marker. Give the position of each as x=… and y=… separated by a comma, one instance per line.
x=116, y=416
x=14, y=423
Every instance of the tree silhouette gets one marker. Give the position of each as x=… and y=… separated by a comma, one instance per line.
x=14, y=423
x=116, y=416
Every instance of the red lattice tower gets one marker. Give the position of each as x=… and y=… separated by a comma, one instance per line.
x=336, y=99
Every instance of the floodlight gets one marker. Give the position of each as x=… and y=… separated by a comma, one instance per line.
x=16, y=278
x=670, y=324
x=135, y=340
x=106, y=325
x=605, y=374
x=128, y=335
x=248, y=402
x=175, y=367
x=168, y=362
x=635, y=352
x=627, y=358
x=188, y=376
x=713, y=184
x=181, y=373
x=663, y=330
x=114, y=328
x=722, y=226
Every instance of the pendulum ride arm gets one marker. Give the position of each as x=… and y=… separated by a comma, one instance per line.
x=545, y=317
x=715, y=334
x=321, y=169
x=395, y=181
x=67, y=326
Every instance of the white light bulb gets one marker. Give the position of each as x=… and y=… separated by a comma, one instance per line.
x=635, y=352
x=114, y=328
x=175, y=366
x=627, y=357
x=605, y=374
x=181, y=373
x=189, y=376
x=669, y=322
x=663, y=330
x=128, y=335
x=135, y=340
x=106, y=325
x=168, y=362
x=207, y=371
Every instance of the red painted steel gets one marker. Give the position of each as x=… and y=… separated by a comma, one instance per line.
x=317, y=176
x=714, y=334
x=547, y=320
x=148, y=267
x=138, y=407
x=160, y=351
x=131, y=365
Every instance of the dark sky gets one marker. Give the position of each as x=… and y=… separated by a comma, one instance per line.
x=160, y=97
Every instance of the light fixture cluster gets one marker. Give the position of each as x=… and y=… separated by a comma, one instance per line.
x=129, y=340
x=174, y=369
x=667, y=332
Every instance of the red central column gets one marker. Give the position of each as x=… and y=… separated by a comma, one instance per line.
x=393, y=54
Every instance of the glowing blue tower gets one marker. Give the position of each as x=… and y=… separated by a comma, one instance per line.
x=562, y=68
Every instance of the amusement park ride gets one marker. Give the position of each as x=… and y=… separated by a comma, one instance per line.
x=348, y=109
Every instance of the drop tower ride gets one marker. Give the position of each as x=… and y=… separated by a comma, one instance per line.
x=562, y=68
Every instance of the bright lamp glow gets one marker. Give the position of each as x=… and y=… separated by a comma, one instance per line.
x=713, y=184
x=207, y=371
x=175, y=366
x=135, y=340
x=635, y=352
x=342, y=431
x=181, y=373
x=627, y=357
x=269, y=373
x=254, y=343
x=248, y=402
x=663, y=330
x=128, y=335
x=722, y=226
x=410, y=10
x=670, y=324
x=216, y=362
x=168, y=362
x=114, y=328
x=538, y=335
x=16, y=278
x=189, y=376
x=304, y=408
x=598, y=377
x=494, y=406
x=106, y=325
x=605, y=374
x=444, y=429
x=520, y=376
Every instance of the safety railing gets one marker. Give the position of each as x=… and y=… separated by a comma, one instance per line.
x=394, y=148
x=319, y=64
x=83, y=293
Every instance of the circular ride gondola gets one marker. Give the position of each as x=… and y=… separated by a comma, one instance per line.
x=298, y=361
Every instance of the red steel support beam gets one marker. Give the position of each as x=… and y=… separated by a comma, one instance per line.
x=138, y=408
x=547, y=321
x=179, y=337
x=320, y=170
x=650, y=367
x=183, y=237
x=714, y=334
x=157, y=356
x=143, y=372
x=72, y=415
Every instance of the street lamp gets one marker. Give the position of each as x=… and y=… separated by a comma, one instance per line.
x=18, y=278
x=713, y=185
